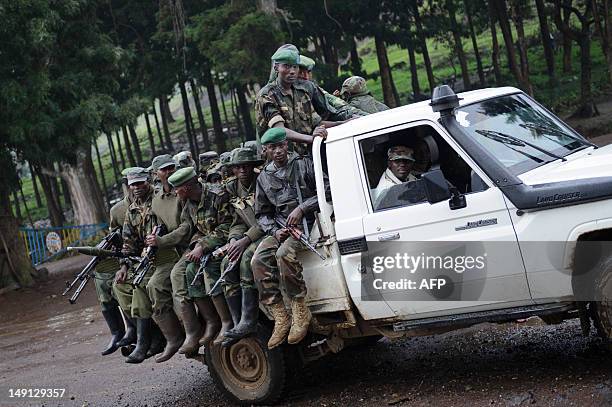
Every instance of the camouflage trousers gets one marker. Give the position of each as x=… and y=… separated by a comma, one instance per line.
x=154, y=295
x=211, y=275
x=103, y=281
x=241, y=276
x=276, y=265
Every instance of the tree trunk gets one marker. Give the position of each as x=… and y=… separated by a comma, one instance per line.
x=587, y=108
x=101, y=168
x=504, y=24
x=355, y=60
x=414, y=73
x=423, y=44
x=120, y=150
x=187, y=114
x=17, y=206
x=603, y=21
x=65, y=194
x=55, y=212
x=465, y=73
x=128, y=147
x=113, y=156
x=386, y=77
x=245, y=112
x=468, y=12
x=159, y=132
x=164, y=106
x=165, y=125
x=87, y=199
x=517, y=17
x=150, y=135
x=25, y=204
x=549, y=53
x=136, y=144
x=567, y=40
x=214, y=110
x=494, y=45
x=222, y=100
x=35, y=186
x=195, y=91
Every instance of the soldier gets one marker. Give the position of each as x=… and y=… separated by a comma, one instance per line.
x=207, y=160
x=154, y=297
x=355, y=92
x=244, y=237
x=276, y=257
x=207, y=215
x=104, y=275
x=289, y=102
x=184, y=159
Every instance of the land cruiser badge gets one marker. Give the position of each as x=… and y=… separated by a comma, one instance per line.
x=477, y=224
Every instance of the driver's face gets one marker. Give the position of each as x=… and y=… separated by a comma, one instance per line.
x=401, y=168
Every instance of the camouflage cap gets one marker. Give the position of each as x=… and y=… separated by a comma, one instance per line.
x=182, y=176
x=306, y=63
x=184, y=159
x=207, y=157
x=245, y=156
x=126, y=171
x=162, y=161
x=286, y=56
x=225, y=157
x=251, y=144
x=400, y=153
x=274, y=135
x=354, y=85
x=137, y=174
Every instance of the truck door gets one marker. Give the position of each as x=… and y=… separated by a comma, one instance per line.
x=416, y=225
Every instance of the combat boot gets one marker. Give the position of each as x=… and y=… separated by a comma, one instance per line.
x=224, y=315
x=171, y=328
x=158, y=341
x=301, y=319
x=143, y=341
x=193, y=329
x=130, y=332
x=115, y=324
x=213, y=324
x=248, y=319
x=282, y=324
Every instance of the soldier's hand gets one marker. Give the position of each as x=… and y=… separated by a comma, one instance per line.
x=237, y=247
x=281, y=234
x=295, y=217
x=196, y=254
x=121, y=275
x=320, y=131
x=151, y=240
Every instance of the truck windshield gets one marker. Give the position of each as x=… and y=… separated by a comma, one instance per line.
x=534, y=135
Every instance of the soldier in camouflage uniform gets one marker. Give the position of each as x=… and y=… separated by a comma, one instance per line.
x=207, y=216
x=289, y=102
x=275, y=262
x=355, y=92
x=103, y=279
x=153, y=298
x=244, y=237
x=206, y=161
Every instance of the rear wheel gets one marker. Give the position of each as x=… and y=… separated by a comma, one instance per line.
x=248, y=372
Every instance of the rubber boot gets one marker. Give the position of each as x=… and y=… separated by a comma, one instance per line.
x=115, y=324
x=130, y=332
x=234, y=303
x=143, y=342
x=193, y=329
x=248, y=319
x=301, y=319
x=171, y=328
x=158, y=341
x=224, y=315
x=211, y=318
x=282, y=324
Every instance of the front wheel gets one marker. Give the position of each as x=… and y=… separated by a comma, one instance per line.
x=248, y=372
x=602, y=309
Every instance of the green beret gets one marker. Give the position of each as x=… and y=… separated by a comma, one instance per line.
x=306, y=63
x=181, y=176
x=286, y=56
x=274, y=135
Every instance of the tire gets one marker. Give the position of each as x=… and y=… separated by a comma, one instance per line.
x=248, y=372
x=601, y=310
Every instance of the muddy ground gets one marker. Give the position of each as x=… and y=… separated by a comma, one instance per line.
x=46, y=342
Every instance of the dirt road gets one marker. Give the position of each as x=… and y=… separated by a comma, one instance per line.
x=46, y=342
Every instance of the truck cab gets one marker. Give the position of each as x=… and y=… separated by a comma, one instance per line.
x=495, y=173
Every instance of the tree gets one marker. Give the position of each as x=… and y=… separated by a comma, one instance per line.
x=458, y=45
x=549, y=54
x=602, y=16
x=469, y=12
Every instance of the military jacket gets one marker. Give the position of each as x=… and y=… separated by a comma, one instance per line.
x=367, y=103
x=168, y=208
x=276, y=192
x=139, y=222
x=242, y=203
x=208, y=221
x=118, y=211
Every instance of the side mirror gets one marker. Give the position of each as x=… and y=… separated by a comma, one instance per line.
x=436, y=187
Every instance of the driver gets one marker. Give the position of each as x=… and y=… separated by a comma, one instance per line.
x=400, y=161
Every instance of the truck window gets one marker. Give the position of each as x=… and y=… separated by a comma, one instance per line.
x=394, y=163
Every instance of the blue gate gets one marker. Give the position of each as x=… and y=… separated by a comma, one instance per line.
x=37, y=240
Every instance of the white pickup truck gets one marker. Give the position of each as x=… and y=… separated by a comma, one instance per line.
x=494, y=168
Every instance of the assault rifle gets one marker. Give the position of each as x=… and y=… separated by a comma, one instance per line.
x=297, y=234
x=147, y=259
x=203, y=262
x=113, y=239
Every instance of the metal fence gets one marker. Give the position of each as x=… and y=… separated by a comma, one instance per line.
x=47, y=243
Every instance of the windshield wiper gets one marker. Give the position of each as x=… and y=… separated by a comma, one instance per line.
x=508, y=139
x=556, y=132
